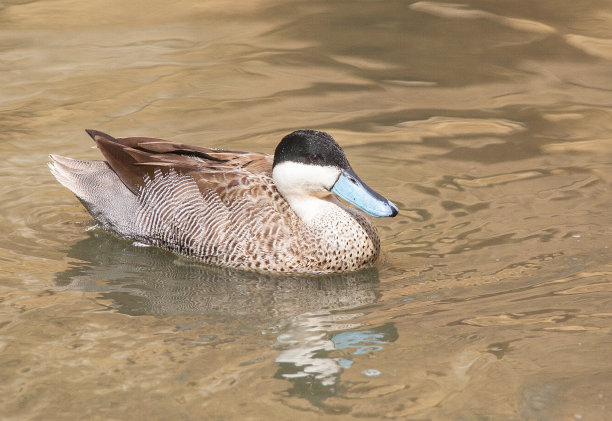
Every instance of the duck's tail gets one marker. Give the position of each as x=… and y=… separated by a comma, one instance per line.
x=97, y=186
x=83, y=178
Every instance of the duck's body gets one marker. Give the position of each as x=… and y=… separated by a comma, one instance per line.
x=240, y=209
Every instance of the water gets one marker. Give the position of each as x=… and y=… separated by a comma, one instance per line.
x=487, y=123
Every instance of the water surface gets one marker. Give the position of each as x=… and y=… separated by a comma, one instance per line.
x=488, y=123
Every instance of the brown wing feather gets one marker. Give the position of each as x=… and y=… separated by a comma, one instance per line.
x=136, y=159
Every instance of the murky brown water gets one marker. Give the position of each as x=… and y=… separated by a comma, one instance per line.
x=488, y=123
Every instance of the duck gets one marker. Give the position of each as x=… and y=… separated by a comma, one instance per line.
x=245, y=210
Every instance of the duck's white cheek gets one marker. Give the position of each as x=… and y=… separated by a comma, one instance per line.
x=296, y=178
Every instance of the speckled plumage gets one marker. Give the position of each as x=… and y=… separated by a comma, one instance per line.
x=219, y=206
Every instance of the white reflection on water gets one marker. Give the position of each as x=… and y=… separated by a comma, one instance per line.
x=304, y=343
x=315, y=348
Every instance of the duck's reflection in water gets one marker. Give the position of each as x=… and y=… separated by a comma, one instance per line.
x=316, y=332
x=317, y=347
x=151, y=281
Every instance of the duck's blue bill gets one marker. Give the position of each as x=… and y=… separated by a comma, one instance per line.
x=353, y=190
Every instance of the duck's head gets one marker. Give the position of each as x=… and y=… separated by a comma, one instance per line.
x=309, y=163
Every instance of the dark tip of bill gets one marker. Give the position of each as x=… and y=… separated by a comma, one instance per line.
x=394, y=210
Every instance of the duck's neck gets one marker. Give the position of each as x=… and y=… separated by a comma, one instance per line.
x=312, y=210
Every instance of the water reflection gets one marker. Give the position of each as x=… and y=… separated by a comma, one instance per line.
x=150, y=281
x=316, y=348
x=315, y=335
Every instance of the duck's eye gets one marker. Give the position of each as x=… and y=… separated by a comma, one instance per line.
x=314, y=157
